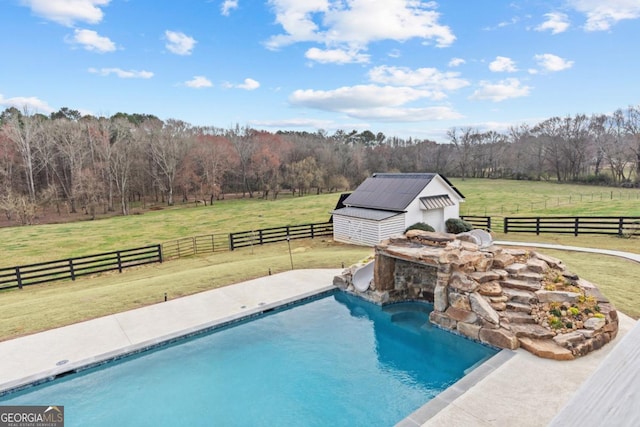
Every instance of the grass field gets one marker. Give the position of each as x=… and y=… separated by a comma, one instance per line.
x=45, y=306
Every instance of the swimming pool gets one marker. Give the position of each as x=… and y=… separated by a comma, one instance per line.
x=337, y=360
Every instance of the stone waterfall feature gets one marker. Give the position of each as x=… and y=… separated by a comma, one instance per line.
x=507, y=298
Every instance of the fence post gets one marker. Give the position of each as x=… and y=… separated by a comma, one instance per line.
x=620, y=225
x=119, y=261
x=489, y=222
x=506, y=225
x=260, y=236
x=537, y=226
x=73, y=274
x=231, y=246
x=576, y=226
x=312, y=231
x=160, y=254
x=18, y=277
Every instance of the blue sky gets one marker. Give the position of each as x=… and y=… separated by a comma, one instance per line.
x=408, y=68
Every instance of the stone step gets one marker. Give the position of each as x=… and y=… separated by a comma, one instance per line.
x=520, y=296
x=546, y=348
x=518, y=317
x=518, y=306
x=520, y=284
x=516, y=268
x=534, y=331
x=529, y=276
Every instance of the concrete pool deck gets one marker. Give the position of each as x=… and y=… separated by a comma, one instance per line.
x=519, y=390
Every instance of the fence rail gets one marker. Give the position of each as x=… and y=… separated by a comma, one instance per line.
x=279, y=234
x=573, y=225
x=32, y=274
x=483, y=222
x=195, y=245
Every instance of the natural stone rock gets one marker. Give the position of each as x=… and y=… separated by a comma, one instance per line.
x=499, y=337
x=482, y=307
x=551, y=261
x=546, y=348
x=490, y=289
x=529, y=276
x=440, y=298
x=521, y=284
x=594, y=323
x=462, y=282
x=469, y=330
x=531, y=331
x=520, y=296
x=498, y=306
x=383, y=272
x=595, y=293
x=516, y=268
x=340, y=282
x=459, y=301
x=485, y=276
x=501, y=298
x=569, y=339
x=517, y=306
x=460, y=315
x=442, y=319
x=518, y=317
x=503, y=259
x=557, y=296
x=537, y=265
x=587, y=333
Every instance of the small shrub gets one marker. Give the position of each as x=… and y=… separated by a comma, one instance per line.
x=457, y=226
x=420, y=226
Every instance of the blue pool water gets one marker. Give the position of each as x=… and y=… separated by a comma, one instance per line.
x=333, y=361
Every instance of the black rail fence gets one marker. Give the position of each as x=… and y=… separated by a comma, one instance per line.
x=189, y=246
x=32, y=274
x=279, y=234
x=621, y=226
x=483, y=222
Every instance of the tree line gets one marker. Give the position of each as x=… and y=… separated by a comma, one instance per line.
x=100, y=164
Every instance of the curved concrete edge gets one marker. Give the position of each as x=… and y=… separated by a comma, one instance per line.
x=621, y=254
x=362, y=276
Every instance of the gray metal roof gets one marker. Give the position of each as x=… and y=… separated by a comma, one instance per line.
x=392, y=192
x=365, y=213
x=435, y=202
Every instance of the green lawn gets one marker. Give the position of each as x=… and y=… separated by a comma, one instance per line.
x=40, y=307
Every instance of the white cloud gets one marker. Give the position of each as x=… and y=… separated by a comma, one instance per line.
x=248, y=84
x=556, y=23
x=336, y=56
x=67, y=12
x=198, y=82
x=384, y=114
x=502, y=64
x=28, y=103
x=123, y=74
x=92, y=41
x=356, y=97
x=455, y=62
x=295, y=122
x=429, y=78
x=500, y=91
x=353, y=25
x=228, y=6
x=550, y=62
x=179, y=43
x=602, y=15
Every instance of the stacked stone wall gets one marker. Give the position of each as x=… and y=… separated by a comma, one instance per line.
x=507, y=298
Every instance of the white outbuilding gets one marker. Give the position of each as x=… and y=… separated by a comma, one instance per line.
x=386, y=204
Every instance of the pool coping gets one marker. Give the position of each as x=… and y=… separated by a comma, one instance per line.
x=449, y=395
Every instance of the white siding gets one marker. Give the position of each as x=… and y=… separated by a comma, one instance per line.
x=436, y=218
x=365, y=232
